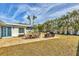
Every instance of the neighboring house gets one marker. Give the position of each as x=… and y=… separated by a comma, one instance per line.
x=12, y=30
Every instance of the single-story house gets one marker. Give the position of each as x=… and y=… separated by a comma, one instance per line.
x=12, y=30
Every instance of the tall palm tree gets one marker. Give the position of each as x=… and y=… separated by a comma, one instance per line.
x=31, y=19
x=28, y=17
x=34, y=17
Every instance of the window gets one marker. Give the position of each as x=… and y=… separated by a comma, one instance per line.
x=21, y=30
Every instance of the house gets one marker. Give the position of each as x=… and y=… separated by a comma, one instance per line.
x=12, y=30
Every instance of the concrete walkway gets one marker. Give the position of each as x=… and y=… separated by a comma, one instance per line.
x=19, y=40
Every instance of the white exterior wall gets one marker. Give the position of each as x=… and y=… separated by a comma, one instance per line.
x=15, y=31
x=25, y=31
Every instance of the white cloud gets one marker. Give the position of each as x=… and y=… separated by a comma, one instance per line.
x=64, y=11
x=21, y=8
x=8, y=20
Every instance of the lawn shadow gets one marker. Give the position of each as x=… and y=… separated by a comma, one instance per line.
x=77, y=53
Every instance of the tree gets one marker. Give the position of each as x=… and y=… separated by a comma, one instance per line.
x=40, y=27
x=29, y=19
x=34, y=17
x=66, y=24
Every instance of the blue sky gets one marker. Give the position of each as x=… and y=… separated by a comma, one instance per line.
x=13, y=13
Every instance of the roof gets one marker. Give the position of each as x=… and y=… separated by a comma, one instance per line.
x=14, y=24
x=18, y=25
x=11, y=24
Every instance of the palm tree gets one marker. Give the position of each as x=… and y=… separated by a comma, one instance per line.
x=29, y=19
x=34, y=17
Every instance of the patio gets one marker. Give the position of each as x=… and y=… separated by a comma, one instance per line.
x=4, y=42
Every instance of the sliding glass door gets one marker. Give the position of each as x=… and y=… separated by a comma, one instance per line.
x=8, y=31
x=5, y=31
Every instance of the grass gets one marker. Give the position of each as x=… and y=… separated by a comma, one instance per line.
x=65, y=45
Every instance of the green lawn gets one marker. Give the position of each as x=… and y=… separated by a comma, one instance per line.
x=64, y=45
